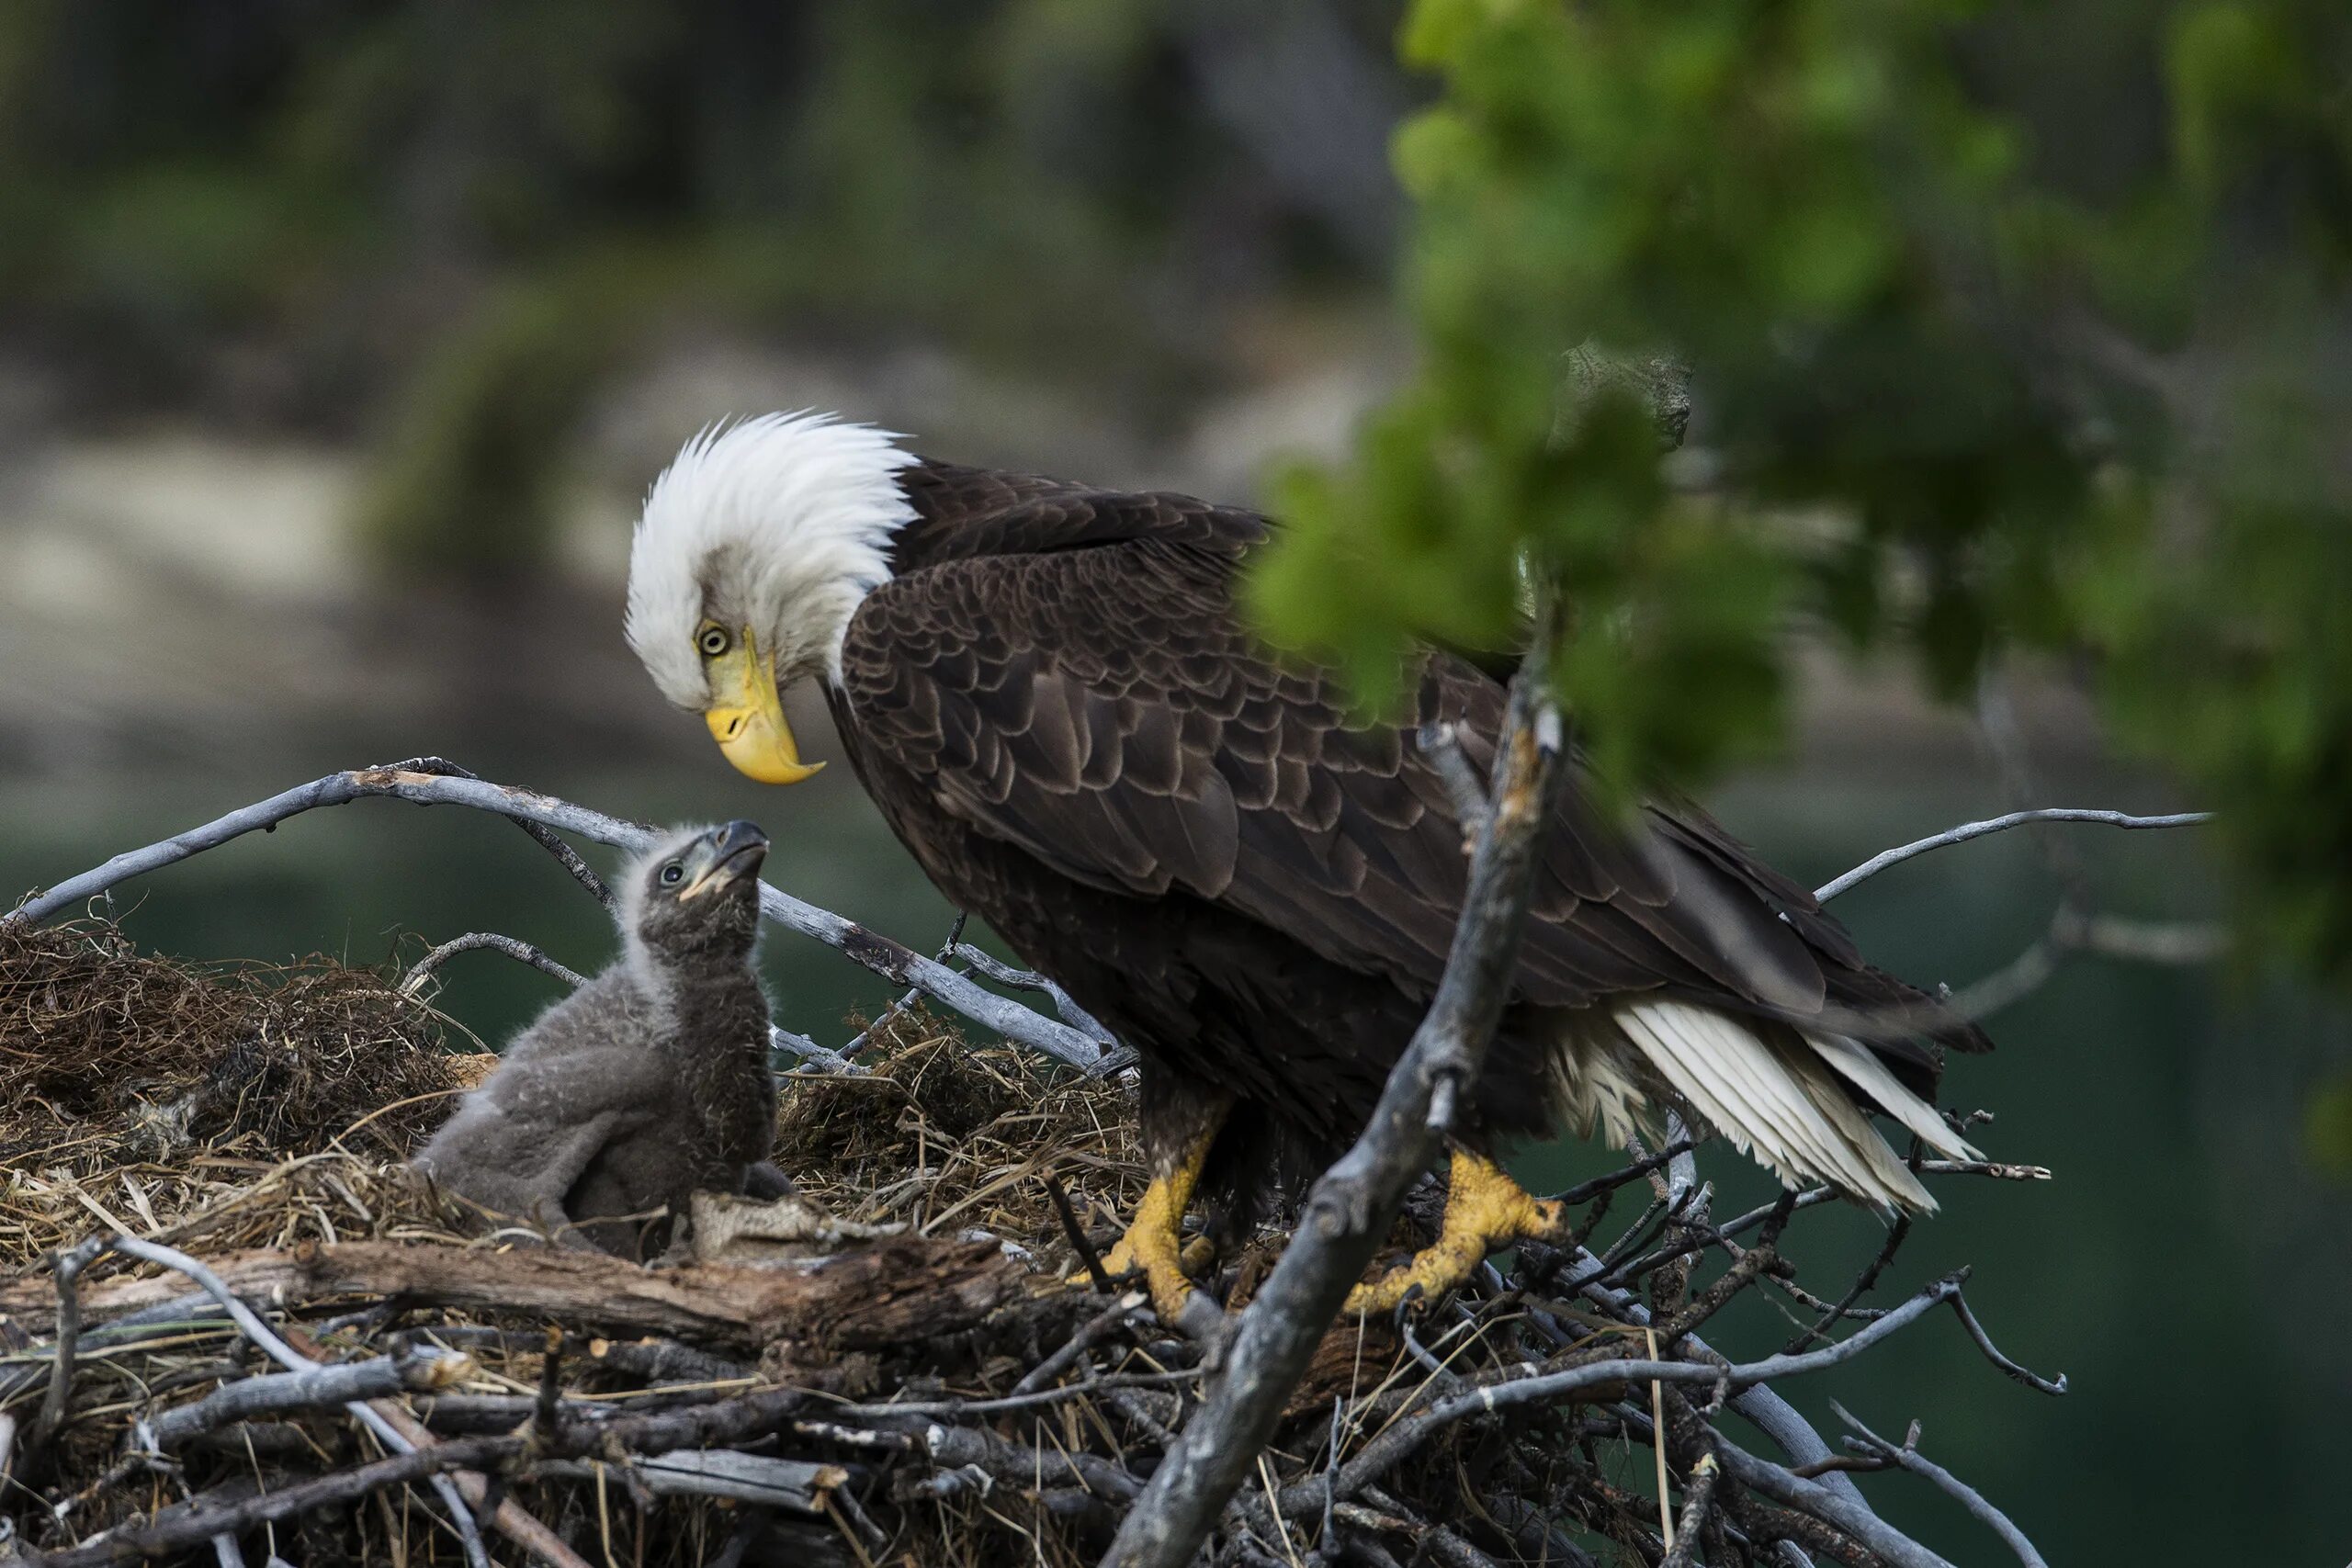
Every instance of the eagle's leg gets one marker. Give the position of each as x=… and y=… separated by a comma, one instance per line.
x=1154, y=1238
x=1485, y=1211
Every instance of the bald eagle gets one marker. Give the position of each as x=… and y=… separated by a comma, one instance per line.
x=1049, y=691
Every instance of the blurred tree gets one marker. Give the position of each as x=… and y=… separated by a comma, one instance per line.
x=2004, y=324
x=444, y=225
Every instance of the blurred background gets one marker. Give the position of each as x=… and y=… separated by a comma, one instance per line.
x=338, y=341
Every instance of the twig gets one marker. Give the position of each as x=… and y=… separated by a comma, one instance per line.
x=2024, y=1375
x=957, y=1408
x=285, y=1355
x=759, y=1480
x=1908, y=1457
x=1860, y=1288
x=412, y=1371
x=55, y=1403
x=1004, y=974
x=1351, y=1206
x=177, y=1529
x=823, y=1056
x=1584, y=1191
x=1089, y=1333
x=1075, y=1233
x=1698, y=1496
x=543, y=1409
x=1818, y=1499
x=522, y=952
x=566, y=856
x=876, y=952
x=1392, y=1445
x=889, y=1015
x=1967, y=831
x=1999, y=1172
x=1773, y=1416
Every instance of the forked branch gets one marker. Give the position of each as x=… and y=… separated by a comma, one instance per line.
x=408, y=782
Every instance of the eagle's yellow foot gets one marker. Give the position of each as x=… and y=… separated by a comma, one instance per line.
x=1485, y=1211
x=1154, y=1240
x=1153, y=1245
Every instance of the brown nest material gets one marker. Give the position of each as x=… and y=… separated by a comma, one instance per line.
x=941, y=1395
x=139, y=1090
x=951, y=1139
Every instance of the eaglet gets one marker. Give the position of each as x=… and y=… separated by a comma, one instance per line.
x=648, y=1083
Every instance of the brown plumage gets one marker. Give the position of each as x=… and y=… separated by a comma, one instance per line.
x=648, y=1083
x=1047, y=690
x=1059, y=710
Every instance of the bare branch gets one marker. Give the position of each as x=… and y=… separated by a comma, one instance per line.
x=1823, y=1502
x=1697, y=1498
x=876, y=952
x=1896, y=1234
x=1907, y=1455
x=285, y=1355
x=54, y=1405
x=521, y=951
x=1353, y=1203
x=546, y=837
x=1775, y=1416
x=417, y=1370
x=178, y=1528
x=2023, y=1374
x=1005, y=974
x=1967, y=831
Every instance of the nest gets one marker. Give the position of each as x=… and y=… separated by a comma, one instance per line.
x=143, y=1093
x=953, y=1393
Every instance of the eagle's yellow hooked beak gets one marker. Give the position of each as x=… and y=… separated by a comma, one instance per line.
x=746, y=716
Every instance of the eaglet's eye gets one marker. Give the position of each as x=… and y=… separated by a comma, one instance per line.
x=673, y=874
x=712, y=639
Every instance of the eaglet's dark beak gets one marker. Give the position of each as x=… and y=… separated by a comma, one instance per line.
x=723, y=856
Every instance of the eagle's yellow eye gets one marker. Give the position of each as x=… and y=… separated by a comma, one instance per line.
x=713, y=640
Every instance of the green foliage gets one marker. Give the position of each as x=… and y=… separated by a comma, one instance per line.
x=2327, y=1127
x=466, y=484
x=2006, y=325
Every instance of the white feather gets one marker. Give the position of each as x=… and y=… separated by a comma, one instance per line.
x=1861, y=1066
x=1593, y=1090
x=1782, y=1105
x=782, y=521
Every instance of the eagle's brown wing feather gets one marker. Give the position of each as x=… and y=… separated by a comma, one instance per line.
x=1098, y=703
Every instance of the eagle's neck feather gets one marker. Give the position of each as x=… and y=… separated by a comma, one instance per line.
x=786, y=522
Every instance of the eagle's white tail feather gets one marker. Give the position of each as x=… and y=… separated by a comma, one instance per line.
x=1781, y=1103
x=1862, y=1068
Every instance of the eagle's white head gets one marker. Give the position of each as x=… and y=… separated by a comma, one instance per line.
x=754, y=548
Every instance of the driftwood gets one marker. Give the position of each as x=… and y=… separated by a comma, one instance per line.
x=893, y=1292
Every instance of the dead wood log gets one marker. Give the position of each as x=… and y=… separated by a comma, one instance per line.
x=896, y=1292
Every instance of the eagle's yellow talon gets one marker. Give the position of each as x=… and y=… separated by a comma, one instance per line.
x=1485, y=1211
x=1154, y=1241
x=1155, y=1250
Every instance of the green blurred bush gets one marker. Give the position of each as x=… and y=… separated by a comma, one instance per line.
x=446, y=224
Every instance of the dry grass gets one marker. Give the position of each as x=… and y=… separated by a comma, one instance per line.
x=244, y=1106
x=945, y=1138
